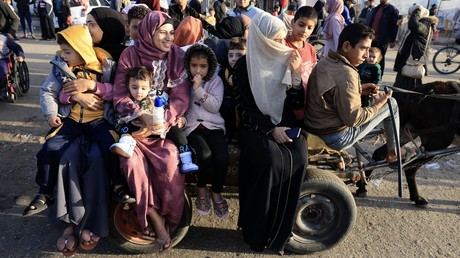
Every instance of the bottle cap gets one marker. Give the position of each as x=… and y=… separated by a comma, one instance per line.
x=158, y=102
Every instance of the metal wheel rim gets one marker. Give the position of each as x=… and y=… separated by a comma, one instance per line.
x=125, y=222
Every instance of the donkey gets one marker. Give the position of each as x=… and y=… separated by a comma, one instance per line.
x=434, y=120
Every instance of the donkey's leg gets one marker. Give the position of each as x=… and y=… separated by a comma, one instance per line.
x=413, y=190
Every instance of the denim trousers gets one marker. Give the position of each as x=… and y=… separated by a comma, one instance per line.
x=345, y=139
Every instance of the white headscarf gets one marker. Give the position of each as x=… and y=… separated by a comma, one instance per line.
x=267, y=64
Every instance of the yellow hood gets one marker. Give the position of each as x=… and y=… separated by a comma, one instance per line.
x=80, y=40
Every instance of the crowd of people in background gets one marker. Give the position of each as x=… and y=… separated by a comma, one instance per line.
x=245, y=75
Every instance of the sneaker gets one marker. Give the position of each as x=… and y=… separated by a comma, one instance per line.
x=221, y=209
x=203, y=205
x=125, y=147
x=187, y=163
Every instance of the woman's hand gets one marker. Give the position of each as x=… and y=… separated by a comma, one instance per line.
x=79, y=85
x=88, y=100
x=279, y=134
x=20, y=59
x=54, y=121
x=155, y=129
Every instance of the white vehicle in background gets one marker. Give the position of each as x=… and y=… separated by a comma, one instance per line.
x=80, y=8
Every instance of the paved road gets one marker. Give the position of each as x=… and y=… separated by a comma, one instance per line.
x=34, y=237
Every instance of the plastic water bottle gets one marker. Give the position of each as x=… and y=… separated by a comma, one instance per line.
x=158, y=112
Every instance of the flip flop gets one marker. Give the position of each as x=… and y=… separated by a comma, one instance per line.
x=40, y=203
x=65, y=240
x=411, y=155
x=88, y=240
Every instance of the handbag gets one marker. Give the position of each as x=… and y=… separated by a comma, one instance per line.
x=414, y=68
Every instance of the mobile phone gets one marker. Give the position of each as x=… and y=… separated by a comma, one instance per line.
x=293, y=132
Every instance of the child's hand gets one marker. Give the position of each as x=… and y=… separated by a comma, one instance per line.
x=369, y=89
x=181, y=122
x=197, y=81
x=20, y=59
x=54, y=121
x=295, y=62
x=142, y=133
x=79, y=85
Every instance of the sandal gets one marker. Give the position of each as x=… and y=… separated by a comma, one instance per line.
x=122, y=195
x=162, y=242
x=221, y=209
x=37, y=205
x=88, y=240
x=203, y=205
x=68, y=242
x=411, y=155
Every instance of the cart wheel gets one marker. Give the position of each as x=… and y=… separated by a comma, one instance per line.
x=21, y=78
x=325, y=214
x=126, y=234
x=447, y=60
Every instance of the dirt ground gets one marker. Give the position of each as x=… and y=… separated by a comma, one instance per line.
x=386, y=225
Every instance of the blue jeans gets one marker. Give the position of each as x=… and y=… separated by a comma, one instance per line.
x=24, y=14
x=346, y=139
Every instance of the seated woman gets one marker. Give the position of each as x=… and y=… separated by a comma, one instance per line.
x=152, y=172
x=272, y=165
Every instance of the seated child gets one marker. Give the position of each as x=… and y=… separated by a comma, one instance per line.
x=7, y=44
x=236, y=49
x=140, y=88
x=69, y=114
x=205, y=128
x=370, y=72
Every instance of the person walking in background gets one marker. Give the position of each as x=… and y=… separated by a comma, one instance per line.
x=245, y=7
x=333, y=25
x=383, y=21
x=433, y=9
x=45, y=9
x=62, y=11
x=24, y=15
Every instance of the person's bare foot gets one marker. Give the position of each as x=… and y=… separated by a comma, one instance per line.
x=163, y=239
x=88, y=240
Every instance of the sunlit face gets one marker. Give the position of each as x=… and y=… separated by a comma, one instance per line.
x=71, y=56
x=133, y=29
x=199, y=65
x=302, y=29
x=373, y=58
x=94, y=29
x=356, y=55
x=139, y=89
x=242, y=3
x=234, y=55
x=163, y=37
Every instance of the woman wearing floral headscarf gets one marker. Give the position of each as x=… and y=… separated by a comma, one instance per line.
x=268, y=86
x=152, y=172
x=333, y=25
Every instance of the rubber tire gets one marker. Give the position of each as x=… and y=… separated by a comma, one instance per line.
x=21, y=78
x=322, y=193
x=445, y=51
x=125, y=233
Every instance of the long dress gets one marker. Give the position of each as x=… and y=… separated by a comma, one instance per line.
x=270, y=174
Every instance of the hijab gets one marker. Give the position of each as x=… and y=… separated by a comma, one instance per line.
x=267, y=64
x=335, y=8
x=189, y=31
x=148, y=52
x=229, y=27
x=112, y=24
